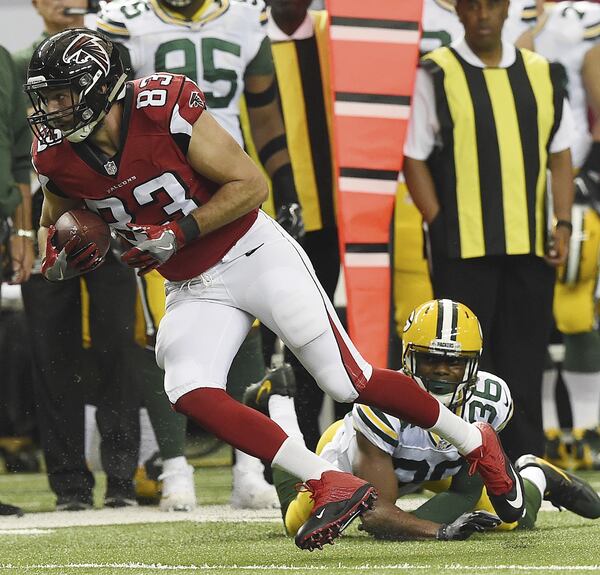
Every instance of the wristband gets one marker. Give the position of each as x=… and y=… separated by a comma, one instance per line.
x=565, y=224
x=29, y=234
x=284, y=187
x=273, y=146
x=260, y=99
x=592, y=161
x=189, y=228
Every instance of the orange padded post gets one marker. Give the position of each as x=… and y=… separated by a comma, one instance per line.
x=374, y=54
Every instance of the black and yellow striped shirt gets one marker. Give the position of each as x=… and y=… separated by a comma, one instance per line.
x=302, y=72
x=496, y=126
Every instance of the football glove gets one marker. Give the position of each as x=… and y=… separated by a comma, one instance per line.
x=467, y=524
x=161, y=242
x=72, y=260
x=289, y=217
x=587, y=189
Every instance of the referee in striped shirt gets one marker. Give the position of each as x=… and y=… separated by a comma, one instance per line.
x=488, y=123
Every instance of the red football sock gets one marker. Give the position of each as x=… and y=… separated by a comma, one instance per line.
x=233, y=422
x=400, y=396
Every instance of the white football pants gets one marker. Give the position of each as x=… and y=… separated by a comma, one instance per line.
x=265, y=275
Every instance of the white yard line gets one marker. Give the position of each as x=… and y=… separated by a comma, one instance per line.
x=133, y=515
x=25, y=531
x=365, y=568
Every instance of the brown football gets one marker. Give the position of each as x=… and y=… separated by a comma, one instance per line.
x=89, y=226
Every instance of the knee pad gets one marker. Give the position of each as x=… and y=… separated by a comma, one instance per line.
x=182, y=378
x=299, y=322
x=328, y=435
x=574, y=307
x=336, y=383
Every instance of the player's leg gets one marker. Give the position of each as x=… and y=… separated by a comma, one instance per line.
x=175, y=475
x=196, y=344
x=250, y=490
x=54, y=316
x=575, y=309
x=561, y=488
x=322, y=248
x=277, y=284
x=117, y=415
x=581, y=374
x=274, y=396
x=545, y=481
x=555, y=448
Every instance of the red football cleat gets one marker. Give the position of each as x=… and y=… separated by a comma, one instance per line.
x=339, y=498
x=504, y=485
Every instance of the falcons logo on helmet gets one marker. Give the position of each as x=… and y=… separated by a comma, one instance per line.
x=85, y=48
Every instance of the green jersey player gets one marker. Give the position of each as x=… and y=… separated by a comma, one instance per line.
x=441, y=349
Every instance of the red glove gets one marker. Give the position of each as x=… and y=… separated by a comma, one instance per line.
x=71, y=261
x=161, y=243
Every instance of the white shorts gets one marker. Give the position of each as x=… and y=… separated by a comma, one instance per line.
x=265, y=275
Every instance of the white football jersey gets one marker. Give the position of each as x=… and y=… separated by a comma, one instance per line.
x=214, y=49
x=440, y=25
x=570, y=30
x=419, y=455
x=522, y=15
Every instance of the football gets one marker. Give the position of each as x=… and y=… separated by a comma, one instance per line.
x=89, y=226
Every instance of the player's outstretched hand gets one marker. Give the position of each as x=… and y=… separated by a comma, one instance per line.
x=72, y=260
x=160, y=244
x=289, y=217
x=467, y=524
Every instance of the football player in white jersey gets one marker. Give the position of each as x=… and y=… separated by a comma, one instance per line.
x=223, y=46
x=441, y=349
x=440, y=25
x=569, y=33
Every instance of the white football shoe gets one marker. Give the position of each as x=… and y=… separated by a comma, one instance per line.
x=251, y=490
x=178, y=490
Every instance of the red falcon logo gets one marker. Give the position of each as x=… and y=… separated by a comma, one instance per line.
x=85, y=48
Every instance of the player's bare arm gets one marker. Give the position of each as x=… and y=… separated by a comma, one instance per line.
x=268, y=134
x=387, y=521
x=561, y=170
x=21, y=247
x=421, y=187
x=266, y=122
x=214, y=154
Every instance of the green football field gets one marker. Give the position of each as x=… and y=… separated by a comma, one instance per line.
x=216, y=540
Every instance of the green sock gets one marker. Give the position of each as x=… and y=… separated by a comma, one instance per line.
x=533, y=502
x=248, y=365
x=285, y=484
